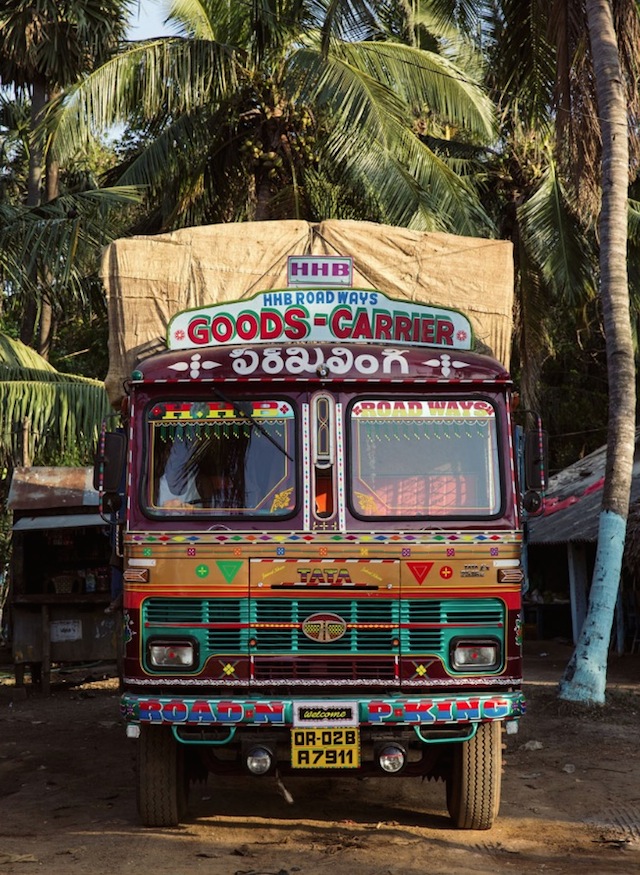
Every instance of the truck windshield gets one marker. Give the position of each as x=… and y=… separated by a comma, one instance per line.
x=221, y=458
x=424, y=458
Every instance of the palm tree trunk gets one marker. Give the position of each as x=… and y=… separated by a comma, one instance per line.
x=47, y=322
x=46, y=328
x=36, y=166
x=584, y=679
x=34, y=194
x=263, y=200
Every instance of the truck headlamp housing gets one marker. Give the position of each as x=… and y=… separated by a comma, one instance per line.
x=174, y=655
x=479, y=655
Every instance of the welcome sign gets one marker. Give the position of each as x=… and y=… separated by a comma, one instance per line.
x=330, y=315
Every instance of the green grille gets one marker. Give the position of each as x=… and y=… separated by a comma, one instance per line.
x=356, y=613
x=227, y=625
x=430, y=625
x=229, y=617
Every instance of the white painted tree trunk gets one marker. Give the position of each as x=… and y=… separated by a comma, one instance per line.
x=584, y=679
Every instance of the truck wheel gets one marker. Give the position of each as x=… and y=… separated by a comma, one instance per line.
x=473, y=787
x=161, y=779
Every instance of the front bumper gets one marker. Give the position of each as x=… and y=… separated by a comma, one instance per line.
x=208, y=711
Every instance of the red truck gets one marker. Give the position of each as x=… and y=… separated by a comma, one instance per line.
x=321, y=521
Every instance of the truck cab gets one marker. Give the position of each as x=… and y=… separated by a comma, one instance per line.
x=322, y=551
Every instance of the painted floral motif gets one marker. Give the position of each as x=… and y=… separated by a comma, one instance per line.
x=282, y=500
x=518, y=630
x=194, y=365
x=128, y=632
x=444, y=364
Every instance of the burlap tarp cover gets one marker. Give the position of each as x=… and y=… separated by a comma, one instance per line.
x=150, y=279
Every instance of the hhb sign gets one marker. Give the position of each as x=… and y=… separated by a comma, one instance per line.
x=307, y=270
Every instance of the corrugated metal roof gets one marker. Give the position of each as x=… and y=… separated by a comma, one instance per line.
x=574, y=500
x=42, y=488
x=58, y=521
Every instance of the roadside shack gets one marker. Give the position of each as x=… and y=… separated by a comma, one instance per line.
x=59, y=571
x=562, y=552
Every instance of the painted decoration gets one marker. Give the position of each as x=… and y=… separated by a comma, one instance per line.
x=320, y=315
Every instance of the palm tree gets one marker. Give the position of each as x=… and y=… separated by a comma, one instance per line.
x=584, y=679
x=527, y=191
x=63, y=237
x=54, y=413
x=291, y=108
x=44, y=47
x=574, y=90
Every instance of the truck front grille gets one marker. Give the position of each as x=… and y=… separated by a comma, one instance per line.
x=378, y=632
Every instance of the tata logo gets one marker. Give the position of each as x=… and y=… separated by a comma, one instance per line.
x=324, y=627
x=324, y=576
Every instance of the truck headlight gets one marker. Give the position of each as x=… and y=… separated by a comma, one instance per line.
x=171, y=654
x=475, y=655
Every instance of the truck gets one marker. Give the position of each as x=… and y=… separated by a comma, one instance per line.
x=319, y=490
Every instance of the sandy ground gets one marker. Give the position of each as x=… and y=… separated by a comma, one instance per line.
x=571, y=797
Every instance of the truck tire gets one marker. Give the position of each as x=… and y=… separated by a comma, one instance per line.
x=473, y=787
x=161, y=779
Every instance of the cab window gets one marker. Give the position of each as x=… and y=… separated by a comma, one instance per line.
x=221, y=458
x=424, y=458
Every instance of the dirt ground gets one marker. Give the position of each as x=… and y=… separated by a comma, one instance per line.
x=570, y=803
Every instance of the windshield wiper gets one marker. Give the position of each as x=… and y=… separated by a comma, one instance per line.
x=239, y=410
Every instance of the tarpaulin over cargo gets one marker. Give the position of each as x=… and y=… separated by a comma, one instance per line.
x=150, y=279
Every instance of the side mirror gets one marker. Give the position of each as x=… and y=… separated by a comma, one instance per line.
x=535, y=459
x=532, y=501
x=111, y=503
x=108, y=468
x=535, y=468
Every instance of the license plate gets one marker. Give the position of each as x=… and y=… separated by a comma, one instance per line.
x=325, y=748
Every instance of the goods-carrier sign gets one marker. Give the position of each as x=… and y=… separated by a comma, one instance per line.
x=330, y=315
